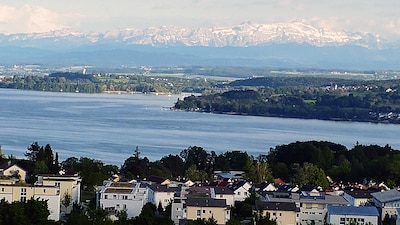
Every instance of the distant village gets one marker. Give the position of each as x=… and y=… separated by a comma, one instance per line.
x=287, y=204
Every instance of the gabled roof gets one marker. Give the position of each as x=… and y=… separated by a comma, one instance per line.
x=387, y=196
x=158, y=180
x=206, y=202
x=262, y=186
x=279, y=206
x=237, y=185
x=353, y=210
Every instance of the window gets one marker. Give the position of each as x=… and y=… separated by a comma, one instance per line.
x=105, y=196
x=124, y=197
x=57, y=184
x=2, y=189
x=198, y=212
x=239, y=193
x=124, y=206
x=44, y=190
x=114, y=196
x=117, y=206
x=23, y=194
x=204, y=211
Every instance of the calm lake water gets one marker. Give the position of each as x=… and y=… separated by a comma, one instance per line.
x=108, y=127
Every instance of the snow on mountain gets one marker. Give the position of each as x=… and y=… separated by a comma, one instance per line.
x=243, y=35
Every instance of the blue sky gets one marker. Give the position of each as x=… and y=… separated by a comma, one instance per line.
x=381, y=17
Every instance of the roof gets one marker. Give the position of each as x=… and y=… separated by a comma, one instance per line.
x=387, y=196
x=279, y=206
x=122, y=184
x=118, y=190
x=353, y=210
x=328, y=199
x=223, y=190
x=163, y=188
x=238, y=185
x=206, y=202
x=359, y=193
x=157, y=179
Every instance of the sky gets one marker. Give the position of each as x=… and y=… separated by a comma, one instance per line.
x=373, y=16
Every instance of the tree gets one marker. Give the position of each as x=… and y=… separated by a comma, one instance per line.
x=309, y=174
x=261, y=219
x=66, y=201
x=199, y=157
x=174, y=164
x=257, y=172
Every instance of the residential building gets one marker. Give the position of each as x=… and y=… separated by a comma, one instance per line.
x=241, y=189
x=341, y=215
x=122, y=196
x=162, y=194
x=68, y=185
x=223, y=193
x=11, y=170
x=205, y=208
x=178, y=209
x=358, y=197
x=313, y=205
x=387, y=202
x=21, y=192
x=285, y=213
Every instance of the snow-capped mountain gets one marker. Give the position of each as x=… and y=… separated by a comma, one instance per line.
x=243, y=35
x=296, y=44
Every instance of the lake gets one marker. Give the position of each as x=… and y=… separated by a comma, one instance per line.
x=108, y=127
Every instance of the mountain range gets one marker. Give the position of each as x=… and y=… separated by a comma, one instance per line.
x=294, y=44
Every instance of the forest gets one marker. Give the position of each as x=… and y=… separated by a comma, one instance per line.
x=306, y=98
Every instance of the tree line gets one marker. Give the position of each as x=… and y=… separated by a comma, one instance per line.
x=98, y=83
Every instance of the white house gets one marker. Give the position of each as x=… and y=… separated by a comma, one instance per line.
x=162, y=194
x=341, y=215
x=241, y=189
x=122, y=196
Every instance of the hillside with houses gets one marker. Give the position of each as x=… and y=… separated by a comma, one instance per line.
x=230, y=188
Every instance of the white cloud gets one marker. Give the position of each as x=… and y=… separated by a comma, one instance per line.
x=28, y=18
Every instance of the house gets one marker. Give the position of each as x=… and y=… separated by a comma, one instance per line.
x=283, y=212
x=23, y=192
x=358, y=197
x=205, y=208
x=341, y=215
x=69, y=185
x=162, y=194
x=241, y=189
x=223, y=193
x=117, y=196
x=12, y=170
x=387, y=202
x=313, y=205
